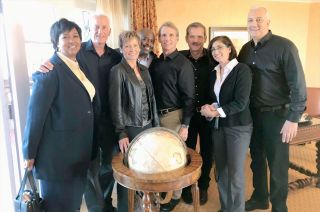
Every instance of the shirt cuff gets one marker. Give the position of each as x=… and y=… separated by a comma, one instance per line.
x=221, y=112
x=215, y=105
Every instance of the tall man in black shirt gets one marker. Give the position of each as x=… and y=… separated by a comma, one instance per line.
x=278, y=99
x=99, y=58
x=173, y=81
x=198, y=55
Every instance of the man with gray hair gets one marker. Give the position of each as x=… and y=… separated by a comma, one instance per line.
x=173, y=81
x=277, y=101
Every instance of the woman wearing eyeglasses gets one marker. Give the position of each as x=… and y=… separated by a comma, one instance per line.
x=229, y=115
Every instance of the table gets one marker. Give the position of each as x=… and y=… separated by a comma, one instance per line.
x=307, y=132
x=162, y=182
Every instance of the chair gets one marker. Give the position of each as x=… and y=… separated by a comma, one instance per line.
x=313, y=101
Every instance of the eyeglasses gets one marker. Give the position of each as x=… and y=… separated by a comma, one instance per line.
x=218, y=48
x=259, y=20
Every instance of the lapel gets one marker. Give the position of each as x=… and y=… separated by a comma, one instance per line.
x=230, y=75
x=56, y=60
x=131, y=73
x=143, y=74
x=213, y=78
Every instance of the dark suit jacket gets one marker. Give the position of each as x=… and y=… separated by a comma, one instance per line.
x=59, y=126
x=234, y=96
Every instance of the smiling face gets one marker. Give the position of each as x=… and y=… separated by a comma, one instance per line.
x=196, y=38
x=168, y=38
x=69, y=43
x=100, y=29
x=131, y=49
x=220, y=52
x=147, y=41
x=258, y=23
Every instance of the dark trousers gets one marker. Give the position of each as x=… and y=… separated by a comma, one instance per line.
x=93, y=193
x=101, y=173
x=62, y=196
x=122, y=191
x=266, y=145
x=199, y=125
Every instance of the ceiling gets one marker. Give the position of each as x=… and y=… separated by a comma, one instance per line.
x=302, y=1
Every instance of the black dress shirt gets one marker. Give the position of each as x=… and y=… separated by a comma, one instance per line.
x=201, y=69
x=173, y=81
x=99, y=68
x=278, y=77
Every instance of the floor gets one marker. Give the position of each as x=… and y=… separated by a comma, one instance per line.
x=300, y=200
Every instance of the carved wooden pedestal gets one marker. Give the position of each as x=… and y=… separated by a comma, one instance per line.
x=163, y=182
x=306, y=133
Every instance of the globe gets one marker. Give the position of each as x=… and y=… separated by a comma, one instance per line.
x=156, y=150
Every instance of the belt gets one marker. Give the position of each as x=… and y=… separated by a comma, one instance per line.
x=167, y=110
x=272, y=108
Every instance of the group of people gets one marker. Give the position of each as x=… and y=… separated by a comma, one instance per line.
x=89, y=102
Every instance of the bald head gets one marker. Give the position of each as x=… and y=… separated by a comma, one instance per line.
x=99, y=28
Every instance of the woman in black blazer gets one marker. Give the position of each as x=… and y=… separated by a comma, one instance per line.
x=59, y=128
x=132, y=102
x=230, y=85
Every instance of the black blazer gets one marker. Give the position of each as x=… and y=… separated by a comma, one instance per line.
x=59, y=125
x=125, y=97
x=234, y=96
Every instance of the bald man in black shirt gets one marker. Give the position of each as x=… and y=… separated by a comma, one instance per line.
x=278, y=99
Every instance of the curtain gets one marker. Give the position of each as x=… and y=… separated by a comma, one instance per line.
x=118, y=13
x=143, y=15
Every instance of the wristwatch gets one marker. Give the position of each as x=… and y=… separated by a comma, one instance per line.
x=184, y=126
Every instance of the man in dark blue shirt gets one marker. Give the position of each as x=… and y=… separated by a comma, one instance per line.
x=278, y=99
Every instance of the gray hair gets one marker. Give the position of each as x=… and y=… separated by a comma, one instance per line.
x=261, y=8
x=170, y=25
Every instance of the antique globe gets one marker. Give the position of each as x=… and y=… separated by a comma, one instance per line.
x=156, y=150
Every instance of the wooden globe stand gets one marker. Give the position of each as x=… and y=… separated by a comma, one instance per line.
x=161, y=182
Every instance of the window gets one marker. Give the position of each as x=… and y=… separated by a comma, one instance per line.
x=25, y=44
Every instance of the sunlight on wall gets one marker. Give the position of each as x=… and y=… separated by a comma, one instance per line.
x=291, y=20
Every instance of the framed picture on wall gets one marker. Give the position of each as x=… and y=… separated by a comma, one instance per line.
x=238, y=35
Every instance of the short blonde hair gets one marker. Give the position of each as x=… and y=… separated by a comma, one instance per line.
x=127, y=35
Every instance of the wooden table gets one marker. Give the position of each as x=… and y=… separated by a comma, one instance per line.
x=307, y=132
x=163, y=182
